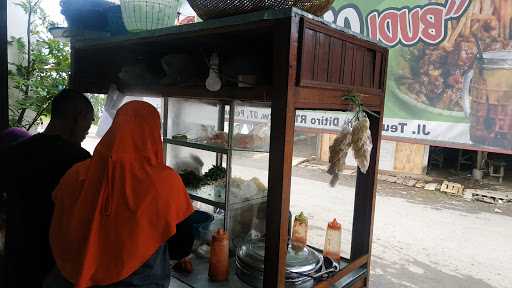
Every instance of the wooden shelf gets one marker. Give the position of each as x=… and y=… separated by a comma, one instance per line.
x=254, y=94
x=258, y=94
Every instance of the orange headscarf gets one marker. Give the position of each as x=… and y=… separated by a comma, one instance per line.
x=113, y=211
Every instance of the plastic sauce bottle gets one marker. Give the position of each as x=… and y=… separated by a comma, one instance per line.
x=332, y=245
x=219, y=257
x=300, y=232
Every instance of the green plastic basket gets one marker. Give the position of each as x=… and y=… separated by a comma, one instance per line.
x=143, y=15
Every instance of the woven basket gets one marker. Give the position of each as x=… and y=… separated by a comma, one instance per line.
x=209, y=9
x=142, y=15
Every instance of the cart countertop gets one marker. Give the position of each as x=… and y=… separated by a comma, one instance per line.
x=199, y=277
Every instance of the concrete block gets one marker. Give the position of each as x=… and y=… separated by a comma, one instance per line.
x=452, y=188
x=431, y=186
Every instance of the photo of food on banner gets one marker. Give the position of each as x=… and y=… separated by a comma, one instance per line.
x=467, y=73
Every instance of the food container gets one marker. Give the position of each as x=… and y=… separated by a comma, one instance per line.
x=332, y=245
x=300, y=232
x=303, y=267
x=488, y=99
x=218, y=270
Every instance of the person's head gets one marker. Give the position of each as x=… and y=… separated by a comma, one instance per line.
x=135, y=131
x=12, y=135
x=71, y=116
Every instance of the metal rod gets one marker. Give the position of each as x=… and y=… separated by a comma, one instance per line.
x=4, y=94
x=229, y=163
x=220, y=123
x=165, y=124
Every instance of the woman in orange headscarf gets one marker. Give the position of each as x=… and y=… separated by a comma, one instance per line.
x=114, y=213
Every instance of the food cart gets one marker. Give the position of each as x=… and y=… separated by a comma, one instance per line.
x=283, y=60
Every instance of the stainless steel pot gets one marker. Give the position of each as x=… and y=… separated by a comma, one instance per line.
x=303, y=267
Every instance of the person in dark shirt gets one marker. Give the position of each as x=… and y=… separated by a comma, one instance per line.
x=11, y=136
x=32, y=170
x=8, y=137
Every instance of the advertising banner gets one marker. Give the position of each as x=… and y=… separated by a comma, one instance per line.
x=450, y=68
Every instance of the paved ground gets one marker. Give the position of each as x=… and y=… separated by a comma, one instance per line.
x=427, y=239
x=447, y=243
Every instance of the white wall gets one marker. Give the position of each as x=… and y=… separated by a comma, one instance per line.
x=16, y=26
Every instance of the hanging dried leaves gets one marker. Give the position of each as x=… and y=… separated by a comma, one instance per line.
x=358, y=138
x=362, y=143
x=338, y=152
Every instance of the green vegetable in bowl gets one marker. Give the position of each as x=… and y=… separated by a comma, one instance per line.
x=214, y=174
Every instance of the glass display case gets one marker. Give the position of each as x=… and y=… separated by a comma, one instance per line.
x=222, y=155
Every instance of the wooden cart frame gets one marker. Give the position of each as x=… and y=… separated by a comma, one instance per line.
x=311, y=65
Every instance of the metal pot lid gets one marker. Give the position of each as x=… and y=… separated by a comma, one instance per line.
x=252, y=254
x=305, y=261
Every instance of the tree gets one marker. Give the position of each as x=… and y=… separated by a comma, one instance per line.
x=41, y=70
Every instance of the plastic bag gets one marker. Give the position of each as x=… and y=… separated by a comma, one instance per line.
x=114, y=100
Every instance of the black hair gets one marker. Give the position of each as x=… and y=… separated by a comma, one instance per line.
x=68, y=103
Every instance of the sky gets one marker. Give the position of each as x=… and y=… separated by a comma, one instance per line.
x=52, y=7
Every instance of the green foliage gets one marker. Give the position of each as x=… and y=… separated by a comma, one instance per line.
x=40, y=70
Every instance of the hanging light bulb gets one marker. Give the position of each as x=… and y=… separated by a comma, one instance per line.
x=213, y=83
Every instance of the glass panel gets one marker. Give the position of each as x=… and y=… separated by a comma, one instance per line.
x=248, y=196
x=251, y=128
x=311, y=193
x=248, y=192
x=196, y=121
x=249, y=172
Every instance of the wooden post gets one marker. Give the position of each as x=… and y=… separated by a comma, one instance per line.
x=325, y=142
x=281, y=152
x=364, y=204
x=366, y=187
x=4, y=88
x=365, y=198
